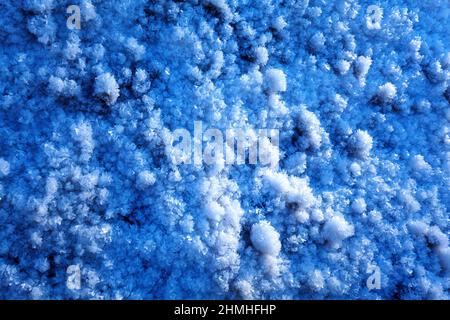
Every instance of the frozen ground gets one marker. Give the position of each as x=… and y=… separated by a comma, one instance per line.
x=93, y=205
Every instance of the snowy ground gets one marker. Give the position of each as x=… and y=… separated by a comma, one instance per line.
x=93, y=203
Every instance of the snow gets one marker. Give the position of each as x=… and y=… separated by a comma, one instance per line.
x=311, y=132
x=214, y=211
x=4, y=167
x=343, y=66
x=444, y=255
x=418, y=163
x=362, y=66
x=38, y=6
x=387, y=92
x=141, y=83
x=418, y=228
x=360, y=143
x=262, y=55
x=356, y=174
x=317, y=41
x=265, y=238
x=106, y=88
x=279, y=24
x=145, y=179
x=275, y=80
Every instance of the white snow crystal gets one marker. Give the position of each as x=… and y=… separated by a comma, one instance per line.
x=275, y=80
x=135, y=48
x=418, y=228
x=279, y=24
x=302, y=216
x=66, y=87
x=410, y=203
x=51, y=186
x=436, y=237
x=316, y=281
x=214, y=211
x=418, y=163
x=343, y=66
x=4, y=167
x=309, y=125
x=336, y=230
x=277, y=105
x=38, y=6
x=82, y=132
x=362, y=66
x=360, y=144
x=145, y=179
x=355, y=169
x=387, y=92
x=317, y=215
x=262, y=55
x=278, y=181
x=444, y=256
x=374, y=17
x=141, y=83
x=317, y=41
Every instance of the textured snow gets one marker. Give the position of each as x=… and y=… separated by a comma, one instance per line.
x=265, y=238
x=95, y=202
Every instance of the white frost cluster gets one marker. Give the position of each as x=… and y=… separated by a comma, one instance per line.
x=63, y=87
x=310, y=130
x=90, y=177
x=387, y=92
x=336, y=230
x=145, y=179
x=4, y=167
x=265, y=238
x=362, y=66
x=262, y=56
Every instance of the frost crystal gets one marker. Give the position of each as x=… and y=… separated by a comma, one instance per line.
x=106, y=88
x=104, y=193
x=265, y=238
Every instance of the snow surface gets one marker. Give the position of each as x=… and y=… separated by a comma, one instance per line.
x=93, y=206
